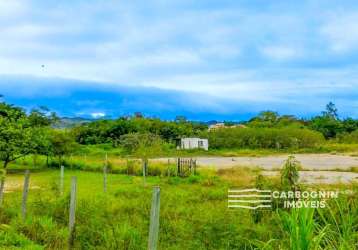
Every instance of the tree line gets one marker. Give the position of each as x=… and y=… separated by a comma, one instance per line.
x=23, y=133
x=327, y=123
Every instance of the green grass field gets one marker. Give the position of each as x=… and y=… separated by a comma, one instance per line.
x=193, y=215
x=326, y=147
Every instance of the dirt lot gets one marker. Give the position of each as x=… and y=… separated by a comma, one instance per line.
x=321, y=177
x=308, y=161
x=319, y=168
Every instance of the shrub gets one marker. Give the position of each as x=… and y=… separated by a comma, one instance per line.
x=349, y=137
x=10, y=239
x=289, y=173
x=142, y=145
x=194, y=179
x=264, y=138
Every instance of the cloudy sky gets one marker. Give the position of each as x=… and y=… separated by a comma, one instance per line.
x=204, y=59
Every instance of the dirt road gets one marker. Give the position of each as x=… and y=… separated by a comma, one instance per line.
x=308, y=161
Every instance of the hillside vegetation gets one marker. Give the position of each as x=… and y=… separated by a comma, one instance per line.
x=35, y=133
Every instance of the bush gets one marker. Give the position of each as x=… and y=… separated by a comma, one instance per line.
x=349, y=137
x=255, y=138
x=290, y=174
x=194, y=179
x=10, y=239
x=142, y=145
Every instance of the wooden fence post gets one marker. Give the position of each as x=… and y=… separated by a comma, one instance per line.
x=195, y=167
x=178, y=166
x=2, y=185
x=25, y=194
x=62, y=175
x=105, y=174
x=154, y=220
x=71, y=161
x=72, y=214
x=168, y=168
x=191, y=166
x=144, y=166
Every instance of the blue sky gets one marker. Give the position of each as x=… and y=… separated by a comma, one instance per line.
x=204, y=59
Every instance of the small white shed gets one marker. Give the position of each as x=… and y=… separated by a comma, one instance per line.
x=192, y=143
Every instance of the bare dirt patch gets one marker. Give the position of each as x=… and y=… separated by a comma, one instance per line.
x=14, y=185
x=308, y=161
x=319, y=168
x=321, y=177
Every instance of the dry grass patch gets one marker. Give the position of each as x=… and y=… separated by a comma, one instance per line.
x=353, y=169
x=239, y=176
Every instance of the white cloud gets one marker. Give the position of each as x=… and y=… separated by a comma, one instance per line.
x=342, y=32
x=97, y=115
x=213, y=50
x=165, y=57
x=253, y=86
x=280, y=52
x=221, y=51
x=9, y=8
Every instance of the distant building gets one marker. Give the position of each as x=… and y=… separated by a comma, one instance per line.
x=222, y=125
x=216, y=126
x=192, y=143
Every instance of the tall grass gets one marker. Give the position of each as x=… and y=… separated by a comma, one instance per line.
x=301, y=229
x=341, y=219
x=194, y=215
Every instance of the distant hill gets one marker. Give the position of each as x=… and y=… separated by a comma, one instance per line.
x=68, y=122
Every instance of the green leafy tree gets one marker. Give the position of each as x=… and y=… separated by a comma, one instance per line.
x=331, y=111
x=143, y=146
x=349, y=125
x=61, y=143
x=328, y=123
x=18, y=137
x=42, y=117
x=181, y=119
x=110, y=131
x=264, y=119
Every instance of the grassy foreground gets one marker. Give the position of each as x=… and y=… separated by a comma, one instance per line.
x=193, y=215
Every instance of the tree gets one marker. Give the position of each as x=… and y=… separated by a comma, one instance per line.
x=269, y=116
x=143, y=146
x=331, y=111
x=42, y=117
x=180, y=119
x=328, y=123
x=349, y=125
x=138, y=115
x=18, y=137
x=61, y=143
x=265, y=119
